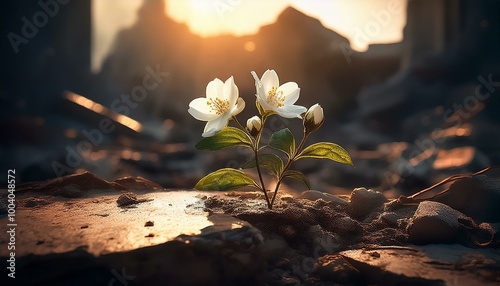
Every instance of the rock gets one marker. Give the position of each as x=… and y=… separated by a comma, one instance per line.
x=183, y=249
x=316, y=195
x=346, y=225
x=335, y=268
x=137, y=183
x=128, y=199
x=71, y=186
x=426, y=265
x=33, y=202
x=389, y=218
x=363, y=202
x=477, y=197
x=434, y=222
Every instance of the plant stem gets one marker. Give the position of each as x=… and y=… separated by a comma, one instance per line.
x=256, y=149
x=256, y=152
x=288, y=164
x=239, y=124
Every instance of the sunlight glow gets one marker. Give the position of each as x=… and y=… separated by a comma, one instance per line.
x=362, y=22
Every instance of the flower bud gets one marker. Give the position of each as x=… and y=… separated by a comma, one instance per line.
x=313, y=118
x=254, y=125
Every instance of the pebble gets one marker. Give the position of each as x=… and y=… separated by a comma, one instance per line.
x=363, y=201
x=389, y=218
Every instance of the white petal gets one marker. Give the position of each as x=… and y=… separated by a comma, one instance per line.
x=265, y=105
x=240, y=105
x=259, y=88
x=198, y=108
x=269, y=80
x=291, y=92
x=215, y=125
x=208, y=133
x=230, y=92
x=291, y=111
x=258, y=83
x=214, y=89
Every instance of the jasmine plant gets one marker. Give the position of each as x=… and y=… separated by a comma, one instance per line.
x=222, y=104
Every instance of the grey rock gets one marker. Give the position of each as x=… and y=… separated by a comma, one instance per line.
x=363, y=201
x=434, y=222
x=389, y=218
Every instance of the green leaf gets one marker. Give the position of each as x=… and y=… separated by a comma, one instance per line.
x=326, y=150
x=283, y=141
x=224, y=180
x=227, y=137
x=298, y=176
x=270, y=162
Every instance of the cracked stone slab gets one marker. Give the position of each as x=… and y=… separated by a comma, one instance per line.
x=427, y=265
x=99, y=225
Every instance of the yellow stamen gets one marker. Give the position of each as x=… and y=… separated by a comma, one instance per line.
x=275, y=98
x=218, y=105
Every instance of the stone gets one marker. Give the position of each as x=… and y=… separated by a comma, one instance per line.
x=316, y=195
x=67, y=242
x=71, y=186
x=426, y=265
x=434, y=222
x=477, y=197
x=363, y=201
x=389, y=218
x=334, y=268
x=346, y=225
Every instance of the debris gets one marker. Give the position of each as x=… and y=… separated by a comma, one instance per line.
x=128, y=199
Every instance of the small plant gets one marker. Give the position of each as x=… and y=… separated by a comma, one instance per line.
x=222, y=103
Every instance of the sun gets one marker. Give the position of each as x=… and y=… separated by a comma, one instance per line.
x=201, y=6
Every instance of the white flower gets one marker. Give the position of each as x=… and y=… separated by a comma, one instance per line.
x=278, y=98
x=254, y=125
x=221, y=103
